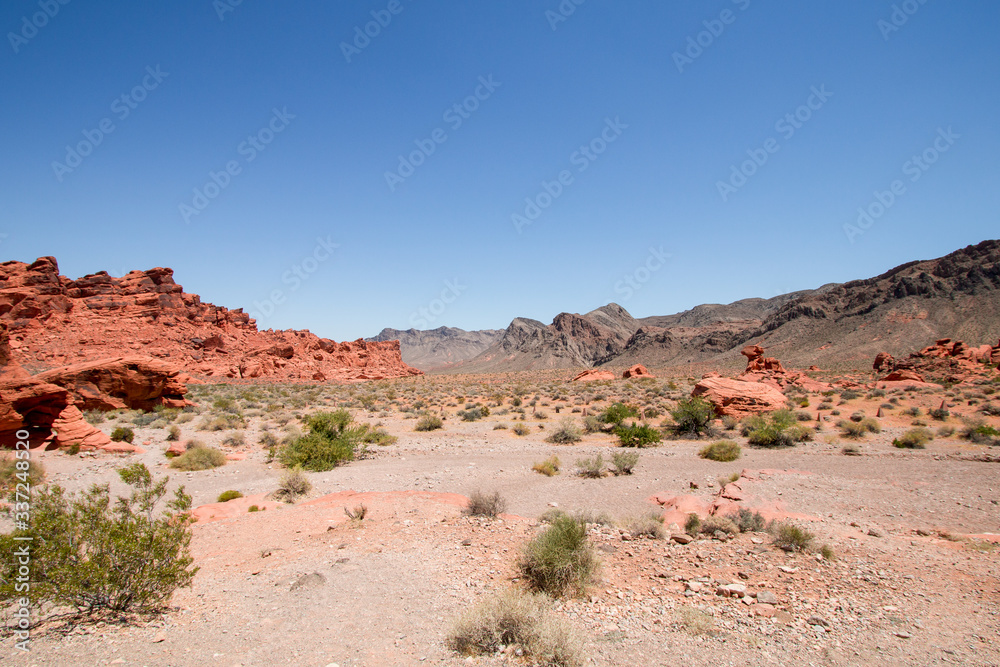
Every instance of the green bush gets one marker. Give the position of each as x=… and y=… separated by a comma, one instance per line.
x=692, y=416
x=521, y=429
x=518, y=620
x=692, y=525
x=591, y=467
x=428, y=423
x=559, y=560
x=198, y=457
x=549, y=467
x=723, y=450
x=800, y=433
x=122, y=434
x=19, y=471
x=749, y=522
x=566, y=434
x=940, y=414
x=90, y=552
x=637, y=435
x=789, y=537
x=770, y=430
x=331, y=441
x=712, y=524
x=622, y=463
x=616, y=413
x=226, y=496
x=915, y=438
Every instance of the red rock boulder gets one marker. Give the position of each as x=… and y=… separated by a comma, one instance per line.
x=883, y=362
x=637, y=371
x=738, y=398
x=137, y=383
x=593, y=375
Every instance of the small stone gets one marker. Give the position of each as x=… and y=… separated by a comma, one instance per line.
x=681, y=538
x=818, y=620
x=782, y=616
x=732, y=590
x=788, y=570
x=160, y=637
x=756, y=540
x=693, y=586
x=763, y=610
x=903, y=634
x=767, y=597
x=875, y=532
x=467, y=542
x=742, y=575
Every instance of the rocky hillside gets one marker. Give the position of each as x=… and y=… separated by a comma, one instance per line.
x=55, y=321
x=439, y=348
x=836, y=325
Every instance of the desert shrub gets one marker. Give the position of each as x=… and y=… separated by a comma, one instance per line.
x=223, y=422
x=692, y=525
x=253, y=508
x=93, y=417
x=590, y=467
x=769, y=430
x=729, y=422
x=486, y=504
x=616, y=413
x=990, y=409
x=826, y=551
x=749, y=522
x=330, y=441
x=800, y=433
x=592, y=424
x=198, y=457
x=500, y=426
x=637, y=435
x=857, y=416
x=174, y=433
x=692, y=416
x=789, y=537
x=648, y=525
x=19, y=471
x=912, y=412
x=651, y=412
x=559, y=560
x=234, y=439
x=915, y=438
x=293, y=483
x=566, y=434
x=428, y=423
x=378, y=436
x=871, y=425
x=474, y=413
x=848, y=395
x=939, y=414
x=722, y=450
x=712, y=524
x=852, y=430
x=695, y=621
x=226, y=496
x=521, y=429
x=945, y=431
x=92, y=552
x=977, y=431
x=518, y=620
x=549, y=467
x=622, y=463
x=850, y=450
x=122, y=434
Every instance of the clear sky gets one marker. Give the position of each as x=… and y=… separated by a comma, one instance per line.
x=487, y=160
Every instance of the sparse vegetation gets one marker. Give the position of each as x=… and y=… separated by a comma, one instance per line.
x=292, y=485
x=559, y=560
x=90, y=552
x=521, y=429
x=428, y=423
x=770, y=430
x=692, y=416
x=122, y=434
x=486, y=504
x=789, y=537
x=722, y=450
x=915, y=438
x=226, y=496
x=549, y=467
x=592, y=467
x=567, y=433
x=692, y=525
x=622, y=463
x=330, y=441
x=637, y=435
x=648, y=525
x=198, y=457
x=519, y=620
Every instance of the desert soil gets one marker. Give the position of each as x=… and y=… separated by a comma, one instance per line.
x=915, y=579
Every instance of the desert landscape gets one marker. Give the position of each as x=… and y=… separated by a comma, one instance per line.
x=526, y=334
x=772, y=516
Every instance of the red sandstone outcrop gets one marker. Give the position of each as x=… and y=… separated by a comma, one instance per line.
x=637, y=371
x=594, y=374
x=769, y=370
x=739, y=398
x=883, y=362
x=946, y=360
x=55, y=321
x=138, y=383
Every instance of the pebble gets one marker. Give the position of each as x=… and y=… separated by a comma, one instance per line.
x=767, y=597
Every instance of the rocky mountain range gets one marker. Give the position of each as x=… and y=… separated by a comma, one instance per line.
x=438, y=348
x=836, y=325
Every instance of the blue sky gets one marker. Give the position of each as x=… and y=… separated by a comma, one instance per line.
x=626, y=124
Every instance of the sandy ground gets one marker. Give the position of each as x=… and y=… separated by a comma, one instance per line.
x=302, y=585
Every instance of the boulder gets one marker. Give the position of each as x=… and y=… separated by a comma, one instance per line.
x=138, y=383
x=883, y=362
x=637, y=371
x=738, y=398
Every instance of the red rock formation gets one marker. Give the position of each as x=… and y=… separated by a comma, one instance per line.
x=770, y=371
x=594, y=374
x=111, y=384
x=637, y=371
x=55, y=321
x=883, y=362
x=739, y=398
x=947, y=361
x=757, y=362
